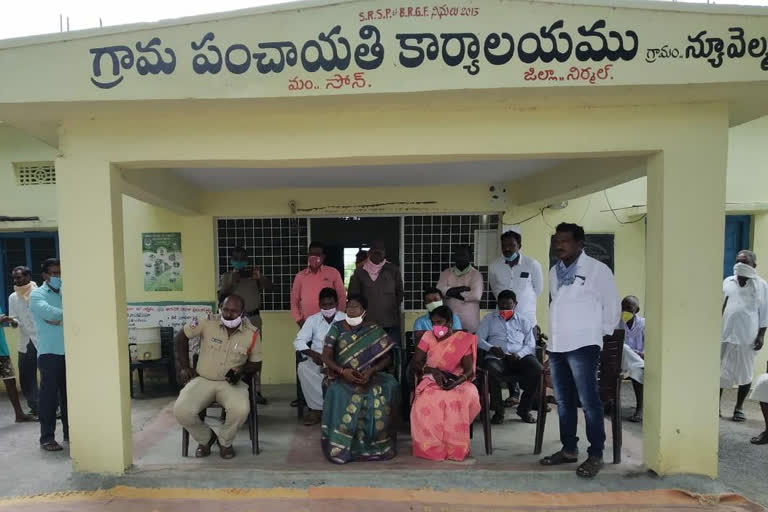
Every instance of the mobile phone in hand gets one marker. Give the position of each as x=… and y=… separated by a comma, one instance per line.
x=232, y=377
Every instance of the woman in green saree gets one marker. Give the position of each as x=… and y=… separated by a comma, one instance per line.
x=360, y=398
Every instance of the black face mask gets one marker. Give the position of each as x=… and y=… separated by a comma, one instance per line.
x=462, y=265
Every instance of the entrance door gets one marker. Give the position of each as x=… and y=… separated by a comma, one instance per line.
x=24, y=250
x=736, y=238
x=343, y=237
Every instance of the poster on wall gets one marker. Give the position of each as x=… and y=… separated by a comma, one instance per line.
x=163, y=267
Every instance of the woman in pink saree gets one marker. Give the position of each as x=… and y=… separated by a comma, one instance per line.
x=446, y=401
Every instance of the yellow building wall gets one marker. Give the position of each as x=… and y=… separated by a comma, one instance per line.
x=27, y=201
x=198, y=233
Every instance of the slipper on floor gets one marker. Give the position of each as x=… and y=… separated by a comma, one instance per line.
x=738, y=416
x=52, y=446
x=590, y=467
x=557, y=458
x=761, y=439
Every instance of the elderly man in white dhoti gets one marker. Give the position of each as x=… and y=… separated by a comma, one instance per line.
x=633, y=359
x=745, y=318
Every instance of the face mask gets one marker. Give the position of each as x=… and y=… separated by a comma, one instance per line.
x=55, y=282
x=239, y=265
x=510, y=259
x=354, y=322
x=744, y=270
x=232, y=324
x=507, y=314
x=460, y=272
x=439, y=331
x=328, y=313
x=434, y=305
x=626, y=316
x=314, y=262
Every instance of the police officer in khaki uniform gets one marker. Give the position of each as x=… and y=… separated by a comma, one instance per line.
x=230, y=348
x=248, y=282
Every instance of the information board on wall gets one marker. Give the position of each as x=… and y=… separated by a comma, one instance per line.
x=163, y=266
x=164, y=314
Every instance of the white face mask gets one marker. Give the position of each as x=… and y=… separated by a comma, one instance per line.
x=434, y=305
x=232, y=324
x=328, y=313
x=354, y=322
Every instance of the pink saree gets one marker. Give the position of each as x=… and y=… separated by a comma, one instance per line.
x=440, y=419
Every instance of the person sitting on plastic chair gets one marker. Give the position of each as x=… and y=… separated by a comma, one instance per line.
x=230, y=348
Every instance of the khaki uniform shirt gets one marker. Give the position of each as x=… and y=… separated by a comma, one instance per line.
x=220, y=352
x=248, y=288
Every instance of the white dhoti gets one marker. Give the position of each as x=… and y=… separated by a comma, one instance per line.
x=760, y=390
x=311, y=384
x=737, y=363
x=632, y=364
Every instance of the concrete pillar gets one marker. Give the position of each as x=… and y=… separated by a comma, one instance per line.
x=760, y=246
x=95, y=329
x=686, y=198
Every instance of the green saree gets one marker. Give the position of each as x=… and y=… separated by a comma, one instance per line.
x=357, y=419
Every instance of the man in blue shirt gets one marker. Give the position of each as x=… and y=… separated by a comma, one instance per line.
x=433, y=299
x=7, y=374
x=510, y=352
x=45, y=306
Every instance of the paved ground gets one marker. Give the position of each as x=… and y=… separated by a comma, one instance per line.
x=291, y=458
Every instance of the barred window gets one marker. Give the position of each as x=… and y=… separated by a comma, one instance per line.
x=429, y=244
x=35, y=173
x=277, y=245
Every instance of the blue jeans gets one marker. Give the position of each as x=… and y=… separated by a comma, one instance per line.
x=574, y=377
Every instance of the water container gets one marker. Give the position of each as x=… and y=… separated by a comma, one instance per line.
x=148, y=346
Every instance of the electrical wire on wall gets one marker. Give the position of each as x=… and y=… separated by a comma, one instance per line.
x=529, y=218
x=642, y=217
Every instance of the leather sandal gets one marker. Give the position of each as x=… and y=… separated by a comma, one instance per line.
x=557, y=458
x=590, y=467
x=497, y=419
x=761, y=439
x=226, y=452
x=204, y=450
x=312, y=418
x=527, y=417
x=51, y=446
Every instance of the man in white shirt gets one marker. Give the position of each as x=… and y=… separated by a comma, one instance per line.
x=18, y=309
x=584, y=307
x=519, y=273
x=309, y=342
x=745, y=318
x=462, y=286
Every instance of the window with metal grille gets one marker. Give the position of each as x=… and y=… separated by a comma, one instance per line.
x=429, y=244
x=35, y=173
x=278, y=246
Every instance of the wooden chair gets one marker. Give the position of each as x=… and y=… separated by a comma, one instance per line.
x=481, y=381
x=609, y=382
x=167, y=361
x=253, y=421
